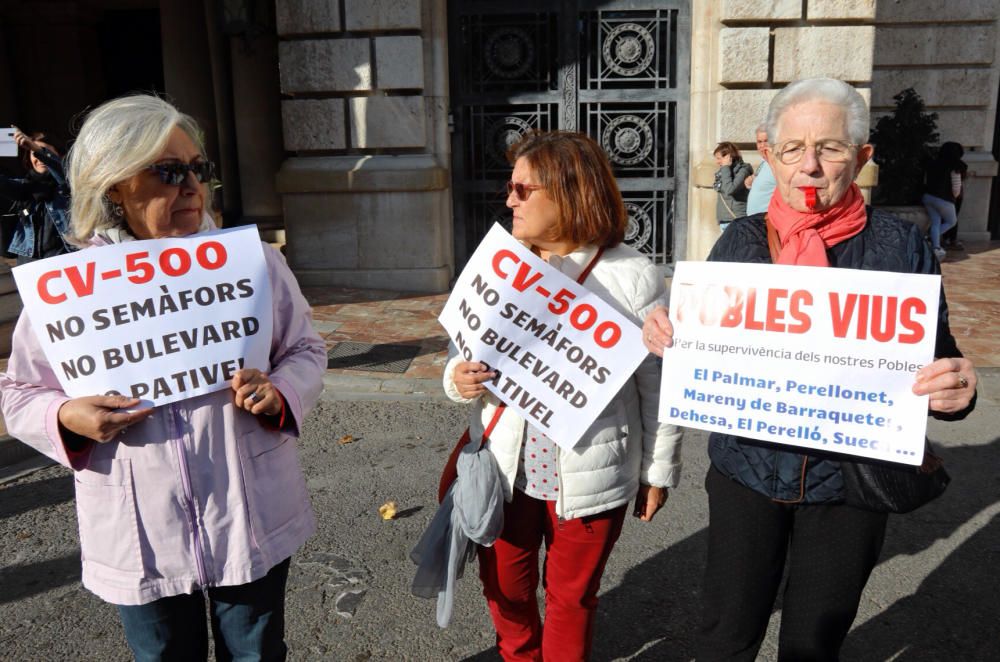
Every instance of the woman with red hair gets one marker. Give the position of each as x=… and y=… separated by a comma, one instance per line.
x=568, y=210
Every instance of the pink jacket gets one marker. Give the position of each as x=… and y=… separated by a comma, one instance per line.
x=200, y=494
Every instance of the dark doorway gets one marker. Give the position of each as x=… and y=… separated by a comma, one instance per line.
x=615, y=70
x=131, y=52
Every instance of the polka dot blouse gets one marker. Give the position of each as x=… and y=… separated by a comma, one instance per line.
x=537, y=474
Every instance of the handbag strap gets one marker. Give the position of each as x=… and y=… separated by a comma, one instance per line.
x=493, y=423
x=503, y=405
x=586, y=272
x=728, y=208
x=773, y=241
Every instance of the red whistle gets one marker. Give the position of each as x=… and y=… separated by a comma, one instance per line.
x=810, y=193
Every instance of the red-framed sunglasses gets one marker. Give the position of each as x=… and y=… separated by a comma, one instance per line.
x=523, y=191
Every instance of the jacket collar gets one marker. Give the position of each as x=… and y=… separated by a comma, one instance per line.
x=574, y=263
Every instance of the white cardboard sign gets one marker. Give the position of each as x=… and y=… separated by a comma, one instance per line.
x=560, y=351
x=821, y=359
x=161, y=320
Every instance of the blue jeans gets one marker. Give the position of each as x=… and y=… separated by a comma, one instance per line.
x=943, y=217
x=248, y=623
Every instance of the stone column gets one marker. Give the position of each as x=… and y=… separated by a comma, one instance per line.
x=187, y=65
x=257, y=123
x=948, y=53
x=743, y=52
x=365, y=196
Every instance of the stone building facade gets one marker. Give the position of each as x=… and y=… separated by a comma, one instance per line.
x=367, y=197
x=343, y=122
x=949, y=52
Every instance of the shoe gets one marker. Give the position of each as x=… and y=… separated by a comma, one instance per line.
x=955, y=246
x=940, y=253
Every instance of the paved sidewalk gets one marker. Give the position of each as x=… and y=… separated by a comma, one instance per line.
x=972, y=285
x=382, y=317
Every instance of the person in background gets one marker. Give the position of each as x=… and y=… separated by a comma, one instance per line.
x=771, y=506
x=942, y=191
x=761, y=183
x=200, y=498
x=41, y=201
x=568, y=210
x=730, y=181
x=949, y=239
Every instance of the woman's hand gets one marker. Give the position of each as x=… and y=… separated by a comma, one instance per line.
x=950, y=383
x=95, y=416
x=657, y=331
x=649, y=500
x=469, y=377
x=255, y=393
x=23, y=141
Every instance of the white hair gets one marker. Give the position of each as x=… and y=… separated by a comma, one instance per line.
x=118, y=139
x=761, y=128
x=829, y=90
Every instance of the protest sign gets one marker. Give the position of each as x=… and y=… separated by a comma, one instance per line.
x=160, y=320
x=560, y=351
x=815, y=358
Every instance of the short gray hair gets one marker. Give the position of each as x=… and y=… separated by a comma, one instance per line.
x=830, y=90
x=761, y=128
x=118, y=139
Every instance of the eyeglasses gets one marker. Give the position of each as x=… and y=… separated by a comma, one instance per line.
x=831, y=151
x=174, y=174
x=523, y=191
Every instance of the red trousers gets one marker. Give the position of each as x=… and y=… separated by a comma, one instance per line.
x=576, y=553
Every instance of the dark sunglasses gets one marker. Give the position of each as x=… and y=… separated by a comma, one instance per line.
x=174, y=174
x=522, y=190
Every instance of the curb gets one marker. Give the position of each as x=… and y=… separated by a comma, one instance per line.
x=13, y=451
x=340, y=387
x=17, y=459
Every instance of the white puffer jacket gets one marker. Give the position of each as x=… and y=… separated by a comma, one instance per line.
x=625, y=444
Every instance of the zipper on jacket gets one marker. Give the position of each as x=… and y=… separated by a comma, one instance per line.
x=559, y=486
x=802, y=485
x=188, y=495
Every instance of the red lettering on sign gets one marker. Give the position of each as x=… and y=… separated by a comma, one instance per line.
x=43, y=288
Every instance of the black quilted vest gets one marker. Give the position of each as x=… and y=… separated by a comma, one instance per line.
x=885, y=244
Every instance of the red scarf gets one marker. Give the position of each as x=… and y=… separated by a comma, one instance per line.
x=805, y=236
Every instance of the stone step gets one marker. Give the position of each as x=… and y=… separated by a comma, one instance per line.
x=10, y=307
x=7, y=285
x=13, y=451
x=6, y=332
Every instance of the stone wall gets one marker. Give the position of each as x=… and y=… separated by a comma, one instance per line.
x=743, y=52
x=947, y=50
x=365, y=195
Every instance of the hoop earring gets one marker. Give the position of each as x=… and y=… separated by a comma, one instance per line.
x=117, y=211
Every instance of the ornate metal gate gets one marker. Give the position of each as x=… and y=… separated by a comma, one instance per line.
x=616, y=70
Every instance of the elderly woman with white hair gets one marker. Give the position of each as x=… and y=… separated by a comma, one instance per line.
x=768, y=504
x=199, y=498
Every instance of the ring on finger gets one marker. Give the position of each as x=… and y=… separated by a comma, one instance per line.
x=254, y=397
x=962, y=381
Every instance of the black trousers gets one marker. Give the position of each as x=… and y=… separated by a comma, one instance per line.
x=830, y=551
